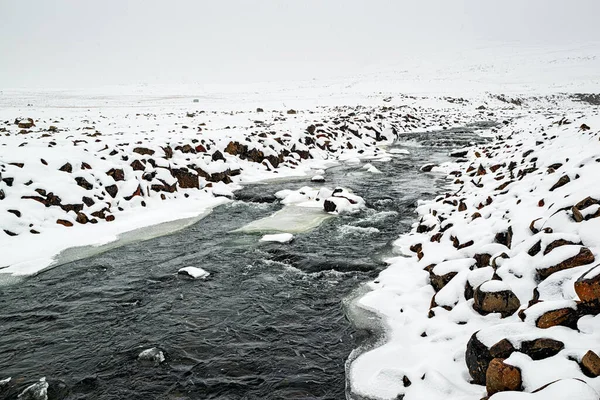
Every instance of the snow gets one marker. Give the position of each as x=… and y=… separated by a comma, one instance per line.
x=280, y=238
x=194, y=272
x=416, y=343
x=153, y=355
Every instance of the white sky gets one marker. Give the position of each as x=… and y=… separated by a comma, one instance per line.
x=85, y=43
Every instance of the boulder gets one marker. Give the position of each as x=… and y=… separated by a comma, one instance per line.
x=477, y=357
x=25, y=123
x=561, y=182
x=539, y=349
x=587, y=286
x=590, y=364
x=185, y=178
x=584, y=257
x=137, y=165
x=495, y=297
x=112, y=190
x=152, y=355
x=64, y=222
x=66, y=168
x=82, y=182
x=143, y=151
x=502, y=377
x=37, y=391
x=116, y=173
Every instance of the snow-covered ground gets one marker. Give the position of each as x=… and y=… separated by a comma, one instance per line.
x=492, y=288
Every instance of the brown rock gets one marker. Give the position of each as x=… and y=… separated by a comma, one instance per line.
x=590, y=364
x=557, y=243
x=82, y=218
x=84, y=183
x=66, y=168
x=561, y=182
x=110, y=218
x=561, y=316
x=185, y=178
x=64, y=222
x=587, y=286
x=584, y=257
x=504, y=302
x=439, y=281
x=291, y=111
x=137, y=165
x=501, y=377
x=505, y=237
x=143, y=151
x=116, y=173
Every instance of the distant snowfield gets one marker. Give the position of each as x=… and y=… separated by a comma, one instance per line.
x=92, y=165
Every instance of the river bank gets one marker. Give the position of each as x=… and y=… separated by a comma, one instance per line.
x=492, y=292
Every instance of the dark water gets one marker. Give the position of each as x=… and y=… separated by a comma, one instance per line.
x=267, y=324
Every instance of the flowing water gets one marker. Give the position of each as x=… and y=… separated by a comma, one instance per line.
x=267, y=324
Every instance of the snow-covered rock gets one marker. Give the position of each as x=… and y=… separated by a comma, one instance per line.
x=280, y=237
x=194, y=272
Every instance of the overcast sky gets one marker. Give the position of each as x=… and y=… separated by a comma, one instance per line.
x=80, y=43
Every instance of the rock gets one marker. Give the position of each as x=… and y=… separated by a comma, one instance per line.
x=82, y=218
x=477, y=357
x=84, y=183
x=561, y=182
x=539, y=349
x=505, y=237
x=2, y=194
x=587, y=286
x=217, y=155
x=311, y=129
x=112, y=190
x=37, y=391
x=194, y=272
x=318, y=178
x=557, y=243
x=459, y=153
x=66, y=168
x=590, y=364
x=584, y=257
x=15, y=212
x=138, y=192
x=439, y=281
x=291, y=112
x=64, y=222
x=137, y=165
x=501, y=377
x=88, y=201
x=110, y=218
x=561, y=316
x=116, y=173
x=329, y=206
x=259, y=110
x=495, y=297
x=427, y=167
x=152, y=355
x=185, y=178
x=143, y=151
x=25, y=123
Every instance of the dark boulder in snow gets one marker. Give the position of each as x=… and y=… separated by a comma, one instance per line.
x=585, y=256
x=495, y=297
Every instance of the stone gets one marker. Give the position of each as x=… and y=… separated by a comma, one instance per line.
x=291, y=112
x=137, y=165
x=112, y=190
x=152, y=355
x=26, y=123
x=217, y=155
x=502, y=377
x=439, y=281
x=587, y=286
x=88, y=201
x=84, y=183
x=561, y=316
x=477, y=358
x=561, y=182
x=144, y=151
x=505, y=237
x=590, y=364
x=66, y=168
x=539, y=349
x=116, y=173
x=185, y=178
x=504, y=302
x=64, y=222
x=585, y=256
x=37, y=391
x=329, y=206
x=82, y=218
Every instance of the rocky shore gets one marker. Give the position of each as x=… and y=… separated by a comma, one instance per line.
x=498, y=290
